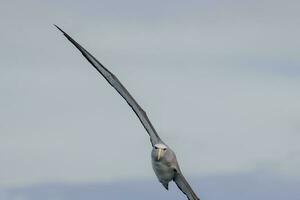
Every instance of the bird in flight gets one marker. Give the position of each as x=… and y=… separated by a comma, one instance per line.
x=164, y=160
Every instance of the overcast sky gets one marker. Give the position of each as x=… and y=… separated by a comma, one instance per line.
x=220, y=81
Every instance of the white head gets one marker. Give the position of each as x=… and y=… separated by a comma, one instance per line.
x=159, y=150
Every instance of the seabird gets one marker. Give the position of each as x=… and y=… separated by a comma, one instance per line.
x=164, y=161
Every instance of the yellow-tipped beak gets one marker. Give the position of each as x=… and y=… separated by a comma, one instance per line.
x=159, y=152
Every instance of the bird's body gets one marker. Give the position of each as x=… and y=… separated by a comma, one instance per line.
x=164, y=161
x=165, y=167
x=163, y=170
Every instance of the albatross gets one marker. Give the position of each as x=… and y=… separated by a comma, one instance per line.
x=163, y=159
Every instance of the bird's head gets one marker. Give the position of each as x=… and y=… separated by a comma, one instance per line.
x=159, y=150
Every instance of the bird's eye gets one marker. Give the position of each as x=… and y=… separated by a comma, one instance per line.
x=155, y=147
x=165, y=149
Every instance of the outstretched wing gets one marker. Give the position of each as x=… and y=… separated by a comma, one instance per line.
x=114, y=82
x=184, y=186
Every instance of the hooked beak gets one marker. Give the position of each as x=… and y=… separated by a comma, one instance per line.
x=159, y=152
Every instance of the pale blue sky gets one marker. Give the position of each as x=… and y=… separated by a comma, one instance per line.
x=218, y=79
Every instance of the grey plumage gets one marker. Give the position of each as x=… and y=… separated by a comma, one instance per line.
x=164, y=161
x=167, y=169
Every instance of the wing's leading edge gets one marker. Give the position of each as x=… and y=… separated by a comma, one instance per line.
x=114, y=82
x=184, y=186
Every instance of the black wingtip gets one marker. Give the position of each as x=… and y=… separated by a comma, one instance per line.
x=59, y=28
